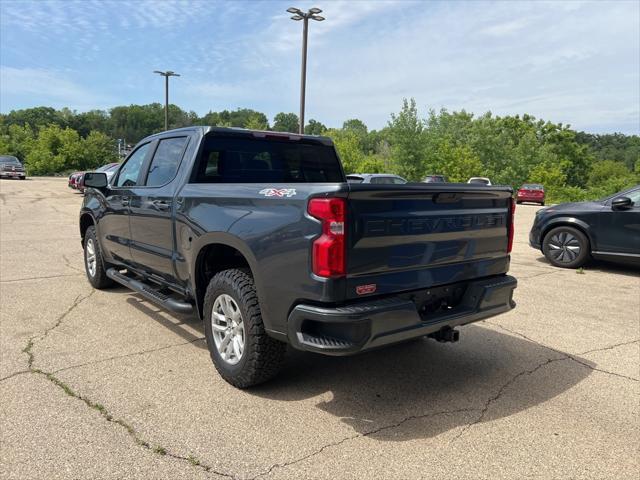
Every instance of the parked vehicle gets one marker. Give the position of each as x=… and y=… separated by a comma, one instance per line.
x=480, y=181
x=11, y=167
x=109, y=169
x=435, y=179
x=262, y=236
x=76, y=179
x=570, y=233
x=531, y=192
x=376, y=178
x=73, y=180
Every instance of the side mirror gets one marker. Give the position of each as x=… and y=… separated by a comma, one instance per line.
x=95, y=180
x=621, y=203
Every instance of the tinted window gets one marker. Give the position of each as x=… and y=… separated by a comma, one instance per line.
x=165, y=161
x=247, y=160
x=129, y=172
x=354, y=179
x=532, y=187
x=635, y=197
x=388, y=180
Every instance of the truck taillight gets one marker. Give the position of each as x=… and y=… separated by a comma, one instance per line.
x=512, y=211
x=328, y=250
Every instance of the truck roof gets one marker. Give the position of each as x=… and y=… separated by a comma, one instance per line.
x=244, y=131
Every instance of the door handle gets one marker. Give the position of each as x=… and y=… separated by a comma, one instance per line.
x=161, y=204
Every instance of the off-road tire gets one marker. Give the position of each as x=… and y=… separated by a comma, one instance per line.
x=263, y=356
x=99, y=279
x=580, y=259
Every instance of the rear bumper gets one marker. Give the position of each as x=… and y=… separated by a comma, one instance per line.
x=355, y=328
x=530, y=199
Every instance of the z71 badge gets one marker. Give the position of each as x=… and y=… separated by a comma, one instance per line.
x=278, y=192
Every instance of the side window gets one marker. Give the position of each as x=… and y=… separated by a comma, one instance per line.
x=398, y=181
x=382, y=180
x=635, y=197
x=128, y=176
x=166, y=161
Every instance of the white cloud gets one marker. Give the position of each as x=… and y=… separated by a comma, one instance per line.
x=62, y=92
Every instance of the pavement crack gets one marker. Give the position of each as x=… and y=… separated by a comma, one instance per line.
x=501, y=391
x=14, y=374
x=131, y=431
x=132, y=354
x=68, y=390
x=67, y=263
x=610, y=347
x=359, y=435
x=574, y=357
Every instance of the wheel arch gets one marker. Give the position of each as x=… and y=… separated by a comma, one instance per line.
x=215, y=256
x=86, y=220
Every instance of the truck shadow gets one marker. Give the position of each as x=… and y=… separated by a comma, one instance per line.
x=422, y=389
x=188, y=327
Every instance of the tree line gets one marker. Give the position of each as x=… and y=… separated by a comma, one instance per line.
x=510, y=150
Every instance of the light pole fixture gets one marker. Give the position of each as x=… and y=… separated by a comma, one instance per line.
x=166, y=76
x=298, y=15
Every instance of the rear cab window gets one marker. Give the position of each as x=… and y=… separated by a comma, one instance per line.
x=259, y=160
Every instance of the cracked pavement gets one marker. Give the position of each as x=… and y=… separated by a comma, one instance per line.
x=102, y=384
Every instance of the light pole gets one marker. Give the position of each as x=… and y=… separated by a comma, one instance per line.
x=305, y=16
x=166, y=76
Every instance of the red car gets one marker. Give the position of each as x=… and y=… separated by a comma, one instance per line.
x=73, y=179
x=531, y=192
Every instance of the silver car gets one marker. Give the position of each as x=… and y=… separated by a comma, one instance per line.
x=376, y=178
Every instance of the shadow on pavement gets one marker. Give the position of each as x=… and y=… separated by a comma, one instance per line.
x=172, y=321
x=450, y=385
x=629, y=269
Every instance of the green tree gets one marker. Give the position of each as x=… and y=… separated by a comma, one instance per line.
x=405, y=132
x=286, y=122
x=314, y=128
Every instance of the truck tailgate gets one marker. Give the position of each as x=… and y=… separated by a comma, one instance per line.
x=416, y=236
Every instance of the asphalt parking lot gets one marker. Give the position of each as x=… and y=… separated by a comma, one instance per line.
x=102, y=384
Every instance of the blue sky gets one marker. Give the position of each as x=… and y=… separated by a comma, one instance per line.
x=572, y=62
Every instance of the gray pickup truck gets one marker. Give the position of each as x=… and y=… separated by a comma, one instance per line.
x=260, y=235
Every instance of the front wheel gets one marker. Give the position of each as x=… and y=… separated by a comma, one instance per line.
x=566, y=247
x=240, y=349
x=93, y=262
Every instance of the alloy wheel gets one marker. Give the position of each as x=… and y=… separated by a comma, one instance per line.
x=564, y=247
x=91, y=257
x=227, y=327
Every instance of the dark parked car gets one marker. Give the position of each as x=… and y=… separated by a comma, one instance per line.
x=376, y=178
x=570, y=233
x=531, y=192
x=10, y=167
x=262, y=236
x=434, y=179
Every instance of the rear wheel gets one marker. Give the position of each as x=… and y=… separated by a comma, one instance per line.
x=241, y=350
x=93, y=262
x=566, y=247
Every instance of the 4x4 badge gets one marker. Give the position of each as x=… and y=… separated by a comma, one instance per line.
x=278, y=192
